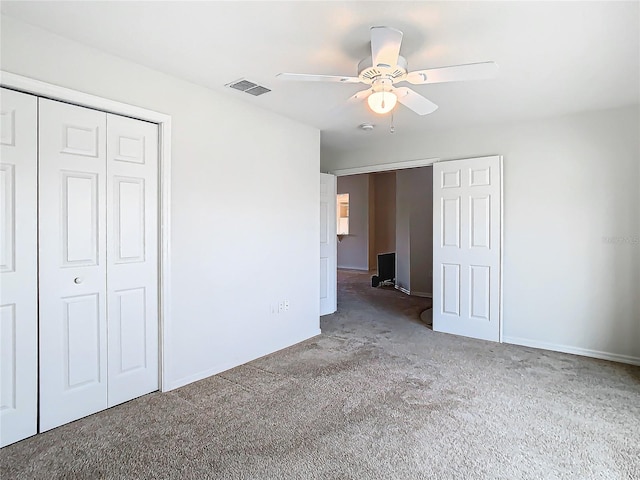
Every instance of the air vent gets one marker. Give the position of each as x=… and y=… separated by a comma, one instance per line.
x=248, y=87
x=257, y=90
x=243, y=85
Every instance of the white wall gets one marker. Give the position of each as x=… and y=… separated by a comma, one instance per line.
x=231, y=259
x=353, y=249
x=421, y=230
x=569, y=184
x=373, y=258
x=385, y=212
x=414, y=230
x=403, y=231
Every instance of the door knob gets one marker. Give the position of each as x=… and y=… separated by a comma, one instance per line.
x=77, y=280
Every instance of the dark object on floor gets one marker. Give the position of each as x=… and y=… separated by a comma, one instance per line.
x=386, y=269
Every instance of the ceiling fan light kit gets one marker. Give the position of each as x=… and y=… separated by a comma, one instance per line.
x=382, y=102
x=386, y=67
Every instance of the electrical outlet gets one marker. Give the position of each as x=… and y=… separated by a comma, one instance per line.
x=280, y=307
x=286, y=305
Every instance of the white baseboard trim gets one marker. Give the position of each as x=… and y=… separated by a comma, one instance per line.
x=585, y=352
x=422, y=294
x=415, y=294
x=358, y=269
x=402, y=289
x=181, y=382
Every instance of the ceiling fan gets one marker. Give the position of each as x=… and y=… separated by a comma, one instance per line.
x=386, y=67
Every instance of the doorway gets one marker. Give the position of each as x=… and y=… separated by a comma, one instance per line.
x=467, y=287
x=390, y=219
x=390, y=228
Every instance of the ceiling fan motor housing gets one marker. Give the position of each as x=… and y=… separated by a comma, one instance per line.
x=381, y=74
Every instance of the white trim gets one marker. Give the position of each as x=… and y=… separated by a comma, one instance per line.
x=165, y=254
x=384, y=167
x=585, y=352
x=501, y=272
x=402, y=289
x=55, y=92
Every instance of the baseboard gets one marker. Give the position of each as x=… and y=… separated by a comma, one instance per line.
x=358, y=269
x=181, y=382
x=402, y=289
x=585, y=352
x=422, y=294
x=414, y=294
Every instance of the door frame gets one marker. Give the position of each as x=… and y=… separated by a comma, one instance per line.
x=402, y=164
x=23, y=84
x=384, y=167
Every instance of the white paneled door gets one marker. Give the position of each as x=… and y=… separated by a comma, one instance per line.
x=132, y=265
x=98, y=261
x=328, y=246
x=18, y=266
x=73, y=267
x=467, y=246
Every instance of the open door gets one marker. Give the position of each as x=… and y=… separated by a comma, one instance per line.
x=467, y=243
x=328, y=245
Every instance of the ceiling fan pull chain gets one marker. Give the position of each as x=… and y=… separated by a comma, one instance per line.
x=392, y=128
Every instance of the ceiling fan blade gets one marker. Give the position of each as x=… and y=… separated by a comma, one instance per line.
x=361, y=95
x=455, y=73
x=415, y=101
x=351, y=101
x=385, y=46
x=303, y=77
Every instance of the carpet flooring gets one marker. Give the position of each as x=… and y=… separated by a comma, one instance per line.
x=378, y=395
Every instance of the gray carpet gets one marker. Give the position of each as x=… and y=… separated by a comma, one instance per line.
x=377, y=396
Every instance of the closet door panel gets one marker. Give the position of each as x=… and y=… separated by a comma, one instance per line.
x=132, y=270
x=72, y=252
x=18, y=266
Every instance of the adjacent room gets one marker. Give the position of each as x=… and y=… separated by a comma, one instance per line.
x=195, y=196
x=388, y=212
x=385, y=235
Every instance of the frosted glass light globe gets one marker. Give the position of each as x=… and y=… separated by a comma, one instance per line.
x=382, y=102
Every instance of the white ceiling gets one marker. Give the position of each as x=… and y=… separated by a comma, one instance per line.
x=554, y=58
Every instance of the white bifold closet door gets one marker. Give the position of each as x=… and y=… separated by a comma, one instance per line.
x=18, y=266
x=132, y=258
x=98, y=261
